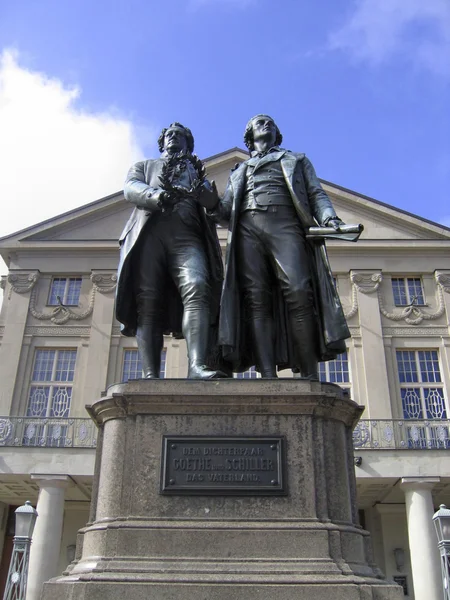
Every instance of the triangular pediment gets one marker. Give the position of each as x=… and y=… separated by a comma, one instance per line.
x=382, y=221
x=104, y=219
x=93, y=221
x=103, y=224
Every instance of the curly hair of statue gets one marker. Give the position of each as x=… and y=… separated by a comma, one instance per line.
x=187, y=132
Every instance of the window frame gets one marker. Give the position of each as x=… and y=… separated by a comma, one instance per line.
x=251, y=373
x=162, y=371
x=326, y=366
x=38, y=431
x=424, y=431
x=407, y=291
x=66, y=290
x=421, y=384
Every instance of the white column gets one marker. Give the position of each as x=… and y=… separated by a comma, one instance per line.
x=425, y=560
x=46, y=542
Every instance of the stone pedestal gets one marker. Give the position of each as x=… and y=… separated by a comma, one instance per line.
x=306, y=544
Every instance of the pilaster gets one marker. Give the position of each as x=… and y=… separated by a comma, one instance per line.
x=376, y=396
x=443, y=281
x=16, y=304
x=100, y=339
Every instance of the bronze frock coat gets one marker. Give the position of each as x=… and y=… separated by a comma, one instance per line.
x=313, y=207
x=143, y=178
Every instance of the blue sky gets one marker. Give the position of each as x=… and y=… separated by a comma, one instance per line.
x=361, y=86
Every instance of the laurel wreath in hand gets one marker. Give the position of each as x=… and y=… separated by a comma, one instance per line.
x=174, y=166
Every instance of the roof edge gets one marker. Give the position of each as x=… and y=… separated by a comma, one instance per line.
x=385, y=204
x=72, y=211
x=89, y=205
x=220, y=154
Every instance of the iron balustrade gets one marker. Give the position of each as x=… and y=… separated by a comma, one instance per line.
x=402, y=434
x=369, y=434
x=48, y=432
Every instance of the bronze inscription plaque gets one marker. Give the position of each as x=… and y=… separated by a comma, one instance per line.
x=223, y=465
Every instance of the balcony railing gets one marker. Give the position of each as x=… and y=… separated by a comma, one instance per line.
x=41, y=432
x=399, y=434
x=380, y=434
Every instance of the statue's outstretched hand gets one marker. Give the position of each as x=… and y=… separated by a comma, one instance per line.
x=208, y=195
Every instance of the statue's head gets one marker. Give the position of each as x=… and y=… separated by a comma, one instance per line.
x=262, y=127
x=176, y=138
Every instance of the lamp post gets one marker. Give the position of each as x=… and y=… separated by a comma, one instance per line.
x=441, y=521
x=16, y=583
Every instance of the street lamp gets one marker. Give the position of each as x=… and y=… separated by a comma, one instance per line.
x=442, y=524
x=16, y=583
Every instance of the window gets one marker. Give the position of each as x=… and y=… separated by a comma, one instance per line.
x=66, y=290
x=422, y=395
x=132, y=365
x=249, y=374
x=50, y=396
x=336, y=371
x=407, y=291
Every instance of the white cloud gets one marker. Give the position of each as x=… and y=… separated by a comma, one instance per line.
x=419, y=30
x=53, y=155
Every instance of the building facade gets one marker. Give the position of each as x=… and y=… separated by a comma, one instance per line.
x=61, y=348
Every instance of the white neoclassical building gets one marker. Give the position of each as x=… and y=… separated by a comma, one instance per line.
x=61, y=347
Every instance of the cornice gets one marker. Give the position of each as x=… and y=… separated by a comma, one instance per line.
x=69, y=244
x=369, y=245
x=420, y=244
x=225, y=397
x=416, y=331
x=365, y=246
x=55, y=331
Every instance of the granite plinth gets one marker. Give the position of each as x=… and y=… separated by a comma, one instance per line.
x=143, y=544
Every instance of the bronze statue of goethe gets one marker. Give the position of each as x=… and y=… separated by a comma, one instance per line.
x=170, y=271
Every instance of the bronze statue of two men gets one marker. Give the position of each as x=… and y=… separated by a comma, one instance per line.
x=276, y=307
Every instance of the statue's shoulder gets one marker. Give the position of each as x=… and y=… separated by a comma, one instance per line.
x=146, y=165
x=238, y=169
x=240, y=165
x=149, y=161
x=296, y=155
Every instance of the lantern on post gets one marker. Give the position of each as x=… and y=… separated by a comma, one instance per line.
x=441, y=521
x=16, y=583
